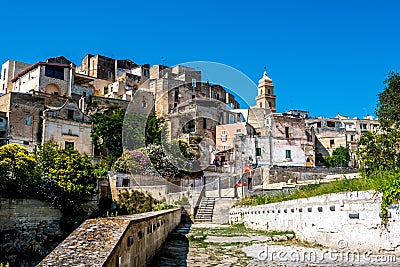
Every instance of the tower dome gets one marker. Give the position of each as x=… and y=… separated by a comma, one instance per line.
x=265, y=79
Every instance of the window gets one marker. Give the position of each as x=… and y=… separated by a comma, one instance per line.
x=269, y=103
x=70, y=114
x=26, y=143
x=363, y=127
x=319, y=124
x=69, y=145
x=260, y=105
x=269, y=91
x=4, y=74
x=332, y=143
x=223, y=136
x=204, y=123
x=238, y=130
x=309, y=137
x=288, y=154
x=330, y=123
x=54, y=72
x=352, y=137
x=193, y=96
x=130, y=241
x=286, y=132
x=126, y=182
x=217, y=96
x=109, y=74
x=28, y=120
x=258, y=151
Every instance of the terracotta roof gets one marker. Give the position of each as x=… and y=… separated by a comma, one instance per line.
x=34, y=66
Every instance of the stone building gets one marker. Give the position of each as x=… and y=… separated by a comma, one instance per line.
x=44, y=77
x=9, y=69
x=340, y=131
x=22, y=115
x=233, y=137
x=175, y=86
x=52, y=78
x=68, y=126
x=33, y=119
x=291, y=142
x=98, y=66
x=279, y=139
x=113, y=78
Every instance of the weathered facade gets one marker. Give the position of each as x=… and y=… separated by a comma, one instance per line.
x=292, y=144
x=69, y=127
x=33, y=119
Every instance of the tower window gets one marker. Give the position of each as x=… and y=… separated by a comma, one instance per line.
x=269, y=103
x=260, y=105
x=269, y=91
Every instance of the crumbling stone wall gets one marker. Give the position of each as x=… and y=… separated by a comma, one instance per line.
x=29, y=230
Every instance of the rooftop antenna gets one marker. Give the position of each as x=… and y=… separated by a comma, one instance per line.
x=163, y=60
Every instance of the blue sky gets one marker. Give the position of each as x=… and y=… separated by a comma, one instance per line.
x=327, y=57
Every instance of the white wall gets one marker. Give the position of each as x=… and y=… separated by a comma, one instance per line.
x=326, y=220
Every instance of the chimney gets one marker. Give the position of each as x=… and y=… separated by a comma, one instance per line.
x=71, y=79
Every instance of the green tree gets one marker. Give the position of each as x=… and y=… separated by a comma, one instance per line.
x=388, y=108
x=68, y=178
x=153, y=129
x=340, y=157
x=379, y=151
x=74, y=173
x=17, y=172
x=135, y=202
x=107, y=132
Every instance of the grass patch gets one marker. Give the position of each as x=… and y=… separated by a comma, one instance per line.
x=376, y=181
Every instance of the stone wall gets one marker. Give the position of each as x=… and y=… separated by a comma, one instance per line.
x=29, y=230
x=115, y=241
x=284, y=174
x=343, y=220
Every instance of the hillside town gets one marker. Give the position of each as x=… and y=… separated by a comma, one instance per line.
x=103, y=160
x=54, y=100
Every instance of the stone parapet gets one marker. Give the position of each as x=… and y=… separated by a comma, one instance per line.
x=115, y=241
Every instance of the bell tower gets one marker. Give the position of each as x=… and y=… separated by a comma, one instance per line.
x=266, y=98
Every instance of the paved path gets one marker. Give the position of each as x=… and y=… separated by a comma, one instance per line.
x=225, y=245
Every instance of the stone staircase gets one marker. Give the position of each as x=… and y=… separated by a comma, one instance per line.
x=205, y=211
